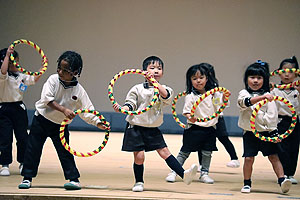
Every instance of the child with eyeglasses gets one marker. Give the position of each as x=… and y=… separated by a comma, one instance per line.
x=61, y=95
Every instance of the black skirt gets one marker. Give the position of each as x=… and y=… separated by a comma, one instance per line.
x=198, y=138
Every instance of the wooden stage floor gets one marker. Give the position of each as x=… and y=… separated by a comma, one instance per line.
x=108, y=175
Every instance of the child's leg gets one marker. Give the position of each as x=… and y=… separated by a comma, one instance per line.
x=276, y=164
x=248, y=167
x=36, y=140
x=206, y=159
x=171, y=161
x=20, y=130
x=6, y=139
x=228, y=146
x=182, y=156
x=138, y=166
x=66, y=159
x=285, y=184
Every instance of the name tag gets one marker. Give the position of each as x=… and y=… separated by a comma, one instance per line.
x=216, y=101
x=23, y=87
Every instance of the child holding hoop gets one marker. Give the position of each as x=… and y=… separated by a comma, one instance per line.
x=142, y=133
x=199, y=136
x=61, y=94
x=13, y=112
x=257, y=88
x=290, y=145
x=222, y=135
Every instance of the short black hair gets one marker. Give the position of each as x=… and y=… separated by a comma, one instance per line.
x=3, y=54
x=205, y=69
x=150, y=60
x=293, y=61
x=258, y=68
x=74, y=59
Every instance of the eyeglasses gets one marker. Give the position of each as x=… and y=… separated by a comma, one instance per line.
x=64, y=71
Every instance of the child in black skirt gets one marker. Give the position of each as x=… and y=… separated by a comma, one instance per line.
x=142, y=133
x=199, y=136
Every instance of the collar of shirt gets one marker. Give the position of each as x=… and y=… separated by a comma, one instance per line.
x=68, y=84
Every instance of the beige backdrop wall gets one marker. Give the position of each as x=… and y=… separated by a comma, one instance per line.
x=112, y=35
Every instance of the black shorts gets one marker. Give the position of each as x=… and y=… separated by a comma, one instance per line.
x=198, y=138
x=138, y=138
x=252, y=145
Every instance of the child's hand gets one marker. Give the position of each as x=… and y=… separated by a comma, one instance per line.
x=191, y=119
x=9, y=51
x=69, y=113
x=116, y=107
x=149, y=76
x=297, y=88
x=269, y=97
x=227, y=94
x=102, y=126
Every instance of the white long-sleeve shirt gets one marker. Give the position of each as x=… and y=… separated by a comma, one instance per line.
x=139, y=97
x=266, y=118
x=292, y=96
x=9, y=86
x=205, y=109
x=73, y=98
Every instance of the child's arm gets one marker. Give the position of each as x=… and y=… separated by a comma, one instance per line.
x=67, y=112
x=191, y=119
x=268, y=96
x=4, y=66
x=116, y=107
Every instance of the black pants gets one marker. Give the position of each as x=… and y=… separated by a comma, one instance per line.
x=290, y=146
x=222, y=136
x=13, y=119
x=42, y=128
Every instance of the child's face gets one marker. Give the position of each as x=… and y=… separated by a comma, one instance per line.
x=156, y=70
x=11, y=66
x=199, y=81
x=64, y=71
x=287, y=77
x=255, y=82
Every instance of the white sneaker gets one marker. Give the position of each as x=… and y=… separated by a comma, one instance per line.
x=286, y=185
x=4, y=171
x=171, y=177
x=292, y=179
x=204, y=178
x=246, y=189
x=72, y=185
x=189, y=174
x=21, y=167
x=26, y=184
x=138, y=187
x=233, y=164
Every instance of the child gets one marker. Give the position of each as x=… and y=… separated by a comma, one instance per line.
x=290, y=145
x=222, y=135
x=142, y=133
x=256, y=80
x=13, y=113
x=199, y=136
x=61, y=94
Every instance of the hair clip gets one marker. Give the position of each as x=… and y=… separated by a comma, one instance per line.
x=260, y=62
